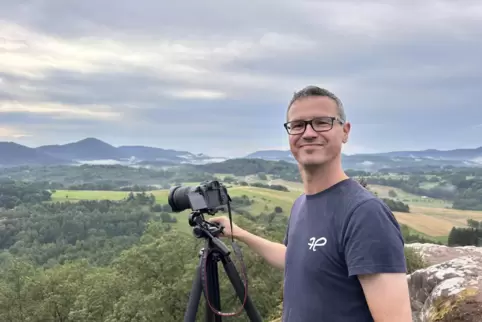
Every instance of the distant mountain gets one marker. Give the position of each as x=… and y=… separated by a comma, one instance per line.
x=152, y=155
x=13, y=154
x=149, y=153
x=457, y=154
x=88, y=149
x=272, y=155
x=396, y=159
x=95, y=151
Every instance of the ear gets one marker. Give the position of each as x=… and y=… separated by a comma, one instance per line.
x=346, y=131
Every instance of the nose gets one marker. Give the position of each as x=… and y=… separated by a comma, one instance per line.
x=309, y=132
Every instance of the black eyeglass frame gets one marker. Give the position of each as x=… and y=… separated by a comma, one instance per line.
x=310, y=122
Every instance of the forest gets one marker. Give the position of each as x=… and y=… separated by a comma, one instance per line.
x=124, y=260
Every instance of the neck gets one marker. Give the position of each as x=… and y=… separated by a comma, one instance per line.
x=318, y=178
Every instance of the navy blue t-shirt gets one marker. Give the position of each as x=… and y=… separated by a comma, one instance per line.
x=333, y=236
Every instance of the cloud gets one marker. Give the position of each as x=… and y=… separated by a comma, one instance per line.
x=57, y=111
x=9, y=133
x=216, y=76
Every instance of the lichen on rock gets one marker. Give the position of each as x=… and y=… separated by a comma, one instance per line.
x=450, y=290
x=461, y=307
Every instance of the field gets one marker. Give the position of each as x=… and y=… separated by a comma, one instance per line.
x=265, y=200
x=436, y=222
x=263, y=197
x=408, y=198
x=75, y=195
x=429, y=217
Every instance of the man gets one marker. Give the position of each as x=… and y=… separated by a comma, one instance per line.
x=343, y=255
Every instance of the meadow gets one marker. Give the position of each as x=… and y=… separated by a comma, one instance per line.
x=264, y=200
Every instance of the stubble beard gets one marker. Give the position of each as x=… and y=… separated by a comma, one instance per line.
x=311, y=159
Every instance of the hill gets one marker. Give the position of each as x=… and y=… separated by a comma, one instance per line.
x=13, y=154
x=396, y=159
x=272, y=155
x=456, y=154
x=95, y=151
x=88, y=149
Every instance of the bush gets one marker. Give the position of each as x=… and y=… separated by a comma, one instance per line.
x=395, y=205
x=414, y=260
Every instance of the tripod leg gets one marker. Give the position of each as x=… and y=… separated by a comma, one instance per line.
x=194, y=296
x=238, y=285
x=213, y=295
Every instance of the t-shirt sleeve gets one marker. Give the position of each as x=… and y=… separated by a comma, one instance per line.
x=373, y=242
x=293, y=212
x=285, y=239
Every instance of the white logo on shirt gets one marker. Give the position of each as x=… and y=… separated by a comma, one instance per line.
x=316, y=242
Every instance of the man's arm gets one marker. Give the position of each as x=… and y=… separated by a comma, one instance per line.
x=274, y=253
x=387, y=296
x=374, y=250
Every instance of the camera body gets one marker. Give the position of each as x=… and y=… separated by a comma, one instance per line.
x=208, y=197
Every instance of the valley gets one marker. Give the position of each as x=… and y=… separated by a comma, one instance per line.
x=104, y=237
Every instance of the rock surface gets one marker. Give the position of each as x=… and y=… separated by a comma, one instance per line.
x=451, y=288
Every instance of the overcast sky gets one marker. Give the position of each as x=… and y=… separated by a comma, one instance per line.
x=216, y=76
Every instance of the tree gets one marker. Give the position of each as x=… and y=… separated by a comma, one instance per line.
x=474, y=224
x=392, y=193
x=464, y=236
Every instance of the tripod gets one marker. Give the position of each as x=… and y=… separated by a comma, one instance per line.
x=213, y=252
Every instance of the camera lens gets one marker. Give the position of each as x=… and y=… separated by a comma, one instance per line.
x=178, y=198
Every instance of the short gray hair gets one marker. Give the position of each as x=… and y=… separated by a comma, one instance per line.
x=312, y=90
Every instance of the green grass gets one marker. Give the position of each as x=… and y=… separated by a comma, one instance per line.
x=265, y=200
x=262, y=197
x=442, y=239
x=75, y=195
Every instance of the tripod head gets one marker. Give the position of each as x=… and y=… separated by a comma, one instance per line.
x=207, y=230
x=201, y=226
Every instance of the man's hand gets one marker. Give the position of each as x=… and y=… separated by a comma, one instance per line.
x=224, y=221
x=273, y=253
x=387, y=296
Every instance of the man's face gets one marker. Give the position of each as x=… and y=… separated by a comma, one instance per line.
x=312, y=148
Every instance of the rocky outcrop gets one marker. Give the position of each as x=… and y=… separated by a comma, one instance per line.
x=450, y=289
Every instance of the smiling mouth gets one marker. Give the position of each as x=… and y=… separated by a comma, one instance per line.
x=311, y=145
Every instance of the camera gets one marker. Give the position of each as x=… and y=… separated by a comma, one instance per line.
x=208, y=197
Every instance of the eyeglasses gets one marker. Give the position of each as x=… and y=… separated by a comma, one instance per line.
x=319, y=124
